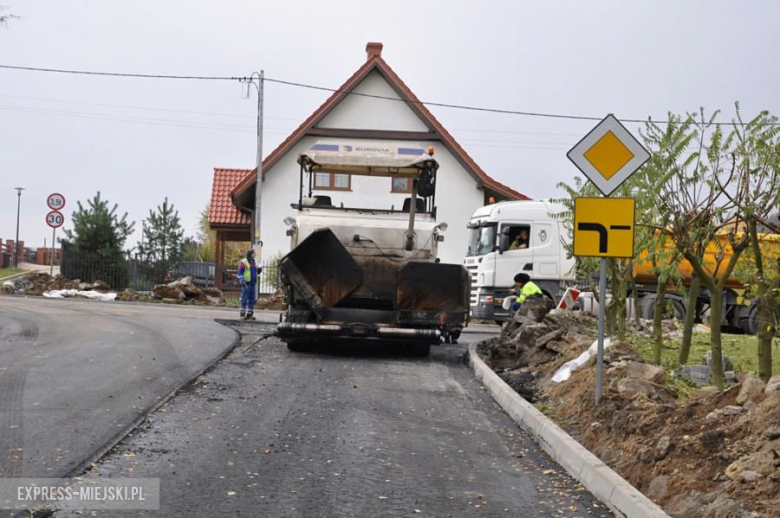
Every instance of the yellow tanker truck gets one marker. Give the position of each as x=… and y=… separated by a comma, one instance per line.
x=739, y=310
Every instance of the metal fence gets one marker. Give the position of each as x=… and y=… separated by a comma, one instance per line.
x=119, y=271
x=127, y=270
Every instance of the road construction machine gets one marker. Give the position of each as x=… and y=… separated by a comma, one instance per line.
x=370, y=274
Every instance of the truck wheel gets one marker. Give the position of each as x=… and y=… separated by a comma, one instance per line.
x=419, y=350
x=299, y=346
x=750, y=322
x=674, y=308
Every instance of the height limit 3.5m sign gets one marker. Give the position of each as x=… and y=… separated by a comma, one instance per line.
x=604, y=227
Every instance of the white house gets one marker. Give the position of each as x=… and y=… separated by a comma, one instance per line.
x=461, y=187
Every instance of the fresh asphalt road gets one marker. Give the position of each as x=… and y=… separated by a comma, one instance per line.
x=75, y=374
x=341, y=432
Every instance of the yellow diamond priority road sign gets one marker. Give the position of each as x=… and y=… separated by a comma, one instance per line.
x=604, y=227
x=608, y=155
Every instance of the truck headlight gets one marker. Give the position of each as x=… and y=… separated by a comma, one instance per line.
x=289, y=220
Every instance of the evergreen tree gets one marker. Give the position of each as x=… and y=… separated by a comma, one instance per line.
x=92, y=250
x=161, y=247
x=190, y=250
x=97, y=230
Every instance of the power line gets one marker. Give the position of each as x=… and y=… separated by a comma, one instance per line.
x=140, y=120
x=120, y=74
x=147, y=108
x=444, y=105
x=348, y=92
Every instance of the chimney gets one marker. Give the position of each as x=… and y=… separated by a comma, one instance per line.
x=373, y=49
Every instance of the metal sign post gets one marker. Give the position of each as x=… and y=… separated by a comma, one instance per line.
x=51, y=259
x=602, y=317
x=54, y=219
x=604, y=227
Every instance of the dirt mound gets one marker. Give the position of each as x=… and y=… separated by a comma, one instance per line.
x=38, y=283
x=716, y=454
x=184, y=290
x=273, y=302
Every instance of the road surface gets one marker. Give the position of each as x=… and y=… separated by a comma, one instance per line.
x=339, y=433
x=75, y=374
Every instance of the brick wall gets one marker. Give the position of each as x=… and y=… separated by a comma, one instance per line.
x=43, y=256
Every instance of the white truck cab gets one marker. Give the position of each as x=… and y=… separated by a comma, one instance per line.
x=494, y=258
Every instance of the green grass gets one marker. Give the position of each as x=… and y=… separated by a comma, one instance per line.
x=7, y=272
x=742, y=349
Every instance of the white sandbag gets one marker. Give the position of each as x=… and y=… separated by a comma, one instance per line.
x=63, y=294
x=567, y=368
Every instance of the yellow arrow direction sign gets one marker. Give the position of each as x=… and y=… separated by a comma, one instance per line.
x=604, y=227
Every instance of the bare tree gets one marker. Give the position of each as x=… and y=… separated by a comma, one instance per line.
x=756, y=196
x=701, y=198
x=6, y=16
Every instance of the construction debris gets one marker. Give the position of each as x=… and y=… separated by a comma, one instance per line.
x=716, y=453
x=184, y=291
x=179, y=291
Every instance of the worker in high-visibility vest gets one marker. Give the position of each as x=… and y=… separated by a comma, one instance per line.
x=247, y=277
x=524, y=289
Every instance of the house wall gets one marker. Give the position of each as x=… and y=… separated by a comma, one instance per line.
x=457, y=196
x=356, y=111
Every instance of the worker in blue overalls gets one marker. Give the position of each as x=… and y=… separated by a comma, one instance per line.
x=247, y=276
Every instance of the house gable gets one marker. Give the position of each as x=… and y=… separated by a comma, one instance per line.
x=369, y=109
x=341, y=110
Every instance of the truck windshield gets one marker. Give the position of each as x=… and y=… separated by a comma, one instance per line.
x=482, y=240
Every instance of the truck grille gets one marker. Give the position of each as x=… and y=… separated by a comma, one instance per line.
x=473, y=273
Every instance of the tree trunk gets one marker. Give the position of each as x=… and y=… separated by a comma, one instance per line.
x=658, y=316
x=620, y=294
x=766, y=330
x=612, y=310
x=635, y=295
x=690, y=317
x=716, y=311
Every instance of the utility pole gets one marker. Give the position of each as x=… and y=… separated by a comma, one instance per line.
x=18, y=207
x=257, y=80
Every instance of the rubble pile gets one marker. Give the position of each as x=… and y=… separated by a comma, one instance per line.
x=273, y=302
x=714, y=454
x=182, y=291
x=538, y=340
x=38, y=283
x=179, y=291
x=672, y=329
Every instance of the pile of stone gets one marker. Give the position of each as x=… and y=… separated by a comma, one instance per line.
x=700, y=374
x=184, y=291
x=535, y=336
x=38, y=283
x=271, y=302
x=672, y=329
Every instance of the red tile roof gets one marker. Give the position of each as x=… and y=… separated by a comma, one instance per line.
x=222, y=212
x=375, y=62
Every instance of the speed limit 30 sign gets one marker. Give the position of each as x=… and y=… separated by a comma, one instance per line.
x=55, y=219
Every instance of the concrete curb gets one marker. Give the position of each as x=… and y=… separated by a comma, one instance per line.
x=15, y=276
x=609, y=487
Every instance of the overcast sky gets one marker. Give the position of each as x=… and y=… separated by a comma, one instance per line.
x=139, y=140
